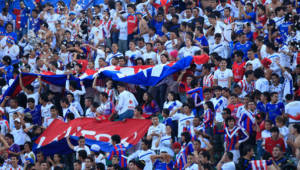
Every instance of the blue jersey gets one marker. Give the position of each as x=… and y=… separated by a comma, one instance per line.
x=36, y=114
x=284, y=29
x=252, y=19
x=247, y=121
x=203, y=41
x=13, y=35
x=261, y=107
x=274, y=110
x=159, y=165
x=158, y=26
x=243, y=47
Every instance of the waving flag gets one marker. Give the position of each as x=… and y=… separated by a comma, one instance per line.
x=146, y=75
x=260, y=164
x=52, y=140
x=160, y=3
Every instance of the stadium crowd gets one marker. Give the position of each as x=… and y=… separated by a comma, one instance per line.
x=243, y=113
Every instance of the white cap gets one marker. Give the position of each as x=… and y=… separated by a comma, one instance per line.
x=18, y=120
x=95, y=148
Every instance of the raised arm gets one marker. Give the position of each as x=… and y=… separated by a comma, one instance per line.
x=40, y=82
x=68, y=83
x=69, y=143
x=21, y=84
x=5, y=144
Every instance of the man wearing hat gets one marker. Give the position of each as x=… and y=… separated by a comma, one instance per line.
x=20, y=136
x=11, y=49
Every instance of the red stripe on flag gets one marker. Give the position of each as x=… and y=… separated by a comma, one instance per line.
x=201, y=59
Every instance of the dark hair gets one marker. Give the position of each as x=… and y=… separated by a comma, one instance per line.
x=10, y=136
x=229, y=119
x=205, y=154
x=65, y=100
x=274, y=129
x=210, y=105
x=247, y=149
x=187, y=136
x=30, y=100
x=83, y=154
x=229, y=155
x=258, y=73
x=239, y=53
x=166, y=111
x=297, y=127
x=116, y=138
x=247, y=73
x=227, y=111
x=147, y=142
x=104, y=94
x=139, y=109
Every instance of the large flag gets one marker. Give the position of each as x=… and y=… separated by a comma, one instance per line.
x=260, y=164
x=146, y=75
x=53, y=139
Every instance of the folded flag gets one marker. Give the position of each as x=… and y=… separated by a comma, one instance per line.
x=52, y=140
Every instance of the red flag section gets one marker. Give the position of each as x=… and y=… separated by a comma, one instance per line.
x=201, y=59
x=130, y=131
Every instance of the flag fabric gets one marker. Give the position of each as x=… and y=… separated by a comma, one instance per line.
x=161, y=3
x=260, y=164
x=53, y=139
x=146, y=75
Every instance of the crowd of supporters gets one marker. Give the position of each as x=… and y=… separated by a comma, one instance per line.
x=241, y=110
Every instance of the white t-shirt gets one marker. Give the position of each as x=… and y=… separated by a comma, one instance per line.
x=292, y=108
x=172, y=105
x=151, y=55
x=126, y=101
x=20, y=137
x=143, y=155
x=184, y=122
x=228, y=166
x=184, y=51
x=223, y=76
x=192, y=167
x=45, y=110
x=77, y=149
x=122, y=26
x=255, y=63
x=35, y=96
x=262, y=84
x=132, y=55
x=220, y=48
x=219, y=104
x=51, y=20
x=96, y=34
x=12, y=51
x=100, y=54
x=159, y=129
x=10, y=111
x=169, y=45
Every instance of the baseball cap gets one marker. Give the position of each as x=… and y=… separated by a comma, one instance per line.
x=17, y=120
